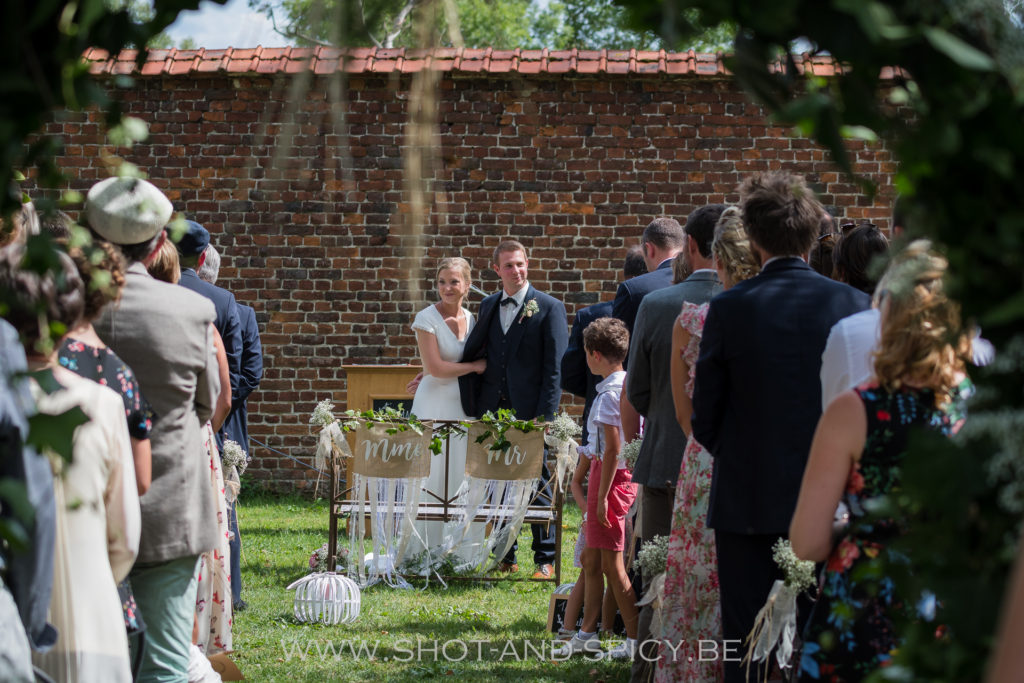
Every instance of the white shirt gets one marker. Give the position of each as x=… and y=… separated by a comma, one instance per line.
x=846, y=361
x=508, y=312
x=605, y=411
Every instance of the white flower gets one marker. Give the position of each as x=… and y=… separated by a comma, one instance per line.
x=233, y=456
x=799, y=573
x=653, y=556
x=323, y=414
x=631, y=451
x=564, y=428
x=529, y=309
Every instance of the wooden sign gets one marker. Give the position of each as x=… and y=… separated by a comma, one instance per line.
x=402, y=455
x=522, y=459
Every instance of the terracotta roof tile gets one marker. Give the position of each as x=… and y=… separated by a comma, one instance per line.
x=325, y=60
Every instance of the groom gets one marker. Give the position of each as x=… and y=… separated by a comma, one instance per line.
x=522, y=334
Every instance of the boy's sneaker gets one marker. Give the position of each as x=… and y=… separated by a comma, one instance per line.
x=577, y=645
x=623, y=650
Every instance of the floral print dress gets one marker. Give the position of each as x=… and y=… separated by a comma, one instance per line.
x=850, y=634
x=690, y=607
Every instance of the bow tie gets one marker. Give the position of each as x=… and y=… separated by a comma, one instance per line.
x=507, y=301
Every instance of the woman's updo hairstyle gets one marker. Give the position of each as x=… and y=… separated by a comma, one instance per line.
x=731, y=247
x=40, y=306
x=102, y=268
x=922, y=337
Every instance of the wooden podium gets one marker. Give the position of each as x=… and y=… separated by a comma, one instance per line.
x=376, y=387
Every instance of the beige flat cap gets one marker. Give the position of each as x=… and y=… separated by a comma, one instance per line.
x=127, y=210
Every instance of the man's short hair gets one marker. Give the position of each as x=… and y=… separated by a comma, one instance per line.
x=664, y=233
x=780, y=212
x=211, y=266
x=634, y=264
x=700, y=226
x=509, y=245
x=609, y=337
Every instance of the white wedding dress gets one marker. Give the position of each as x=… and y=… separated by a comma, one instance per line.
x=439, y=399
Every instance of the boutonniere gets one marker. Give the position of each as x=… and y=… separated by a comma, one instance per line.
x=529, y=309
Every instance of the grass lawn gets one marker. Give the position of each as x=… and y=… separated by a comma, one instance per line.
x=496, y=629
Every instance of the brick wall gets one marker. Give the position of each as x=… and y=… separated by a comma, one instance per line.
x=311, y=218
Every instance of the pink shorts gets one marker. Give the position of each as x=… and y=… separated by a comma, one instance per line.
x=621, y=494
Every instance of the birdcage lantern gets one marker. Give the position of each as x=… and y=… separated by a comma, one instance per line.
x=326, y=597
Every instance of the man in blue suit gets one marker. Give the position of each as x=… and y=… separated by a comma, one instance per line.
x=662, y=240
x=192, y=252
x=236, y=426
x=522, y=333
x=757, y=397
x=576, y=376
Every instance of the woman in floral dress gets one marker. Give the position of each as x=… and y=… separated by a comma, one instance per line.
x=856, y=457
x=690, y=607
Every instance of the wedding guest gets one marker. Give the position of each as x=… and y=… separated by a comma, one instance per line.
x=27, y=571
x=661, y=241
x=1006, y=662
x=212, y=627
x=192, y=254
x=757, y=395
x=163, y=332
x=522, y=334
x=441, y=332
x=649, y=390
x=85, y=354
x=19, y=226
x=97, y=504
x=236, y=426
x=610, y=493
x=164, y=265
x=576, y=376
x=846, y=361
x=690, y=608
x=821, y=257
x=858, y=256
x=856, y=457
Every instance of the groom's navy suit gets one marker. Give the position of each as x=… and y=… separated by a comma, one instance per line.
x=522, y=374
x=756, y=403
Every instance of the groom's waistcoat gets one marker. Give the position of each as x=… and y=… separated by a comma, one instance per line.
x=498, y=353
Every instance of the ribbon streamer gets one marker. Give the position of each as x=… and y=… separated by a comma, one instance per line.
x=655, y=597
x=774, y=628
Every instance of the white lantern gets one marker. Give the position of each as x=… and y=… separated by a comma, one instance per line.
x=326, y=597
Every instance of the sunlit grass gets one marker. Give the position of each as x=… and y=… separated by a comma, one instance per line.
x=496, y=629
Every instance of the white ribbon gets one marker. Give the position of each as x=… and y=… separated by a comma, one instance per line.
x=566, y=457
x=774, y=628
x=331, y=436
x=655, y=597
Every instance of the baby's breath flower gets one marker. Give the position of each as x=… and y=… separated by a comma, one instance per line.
x=631, y=451
x=653, y=556
x=799, y=573
x=564, y=428
x=323, y=414
x=232, y=455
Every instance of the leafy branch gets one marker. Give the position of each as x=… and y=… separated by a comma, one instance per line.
x=498, y=424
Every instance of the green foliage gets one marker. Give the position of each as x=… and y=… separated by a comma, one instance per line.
x=501, y=24
x=41, y=44
x=499, y=423
x=954, y=124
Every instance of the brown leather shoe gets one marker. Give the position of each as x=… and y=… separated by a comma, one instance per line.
x=544, y=571
x=507, y=568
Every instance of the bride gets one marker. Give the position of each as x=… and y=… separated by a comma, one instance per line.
x=441, y=332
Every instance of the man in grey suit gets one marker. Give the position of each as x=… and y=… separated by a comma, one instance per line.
x=164, y=333
x=649, y=388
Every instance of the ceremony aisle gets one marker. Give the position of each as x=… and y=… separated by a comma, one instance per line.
x=481, y=631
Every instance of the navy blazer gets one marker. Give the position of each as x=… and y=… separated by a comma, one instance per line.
x=576, y=376
x=226, y=322
x=632, y=292
x=757, y=392
x=237, y=424
x=536, y=345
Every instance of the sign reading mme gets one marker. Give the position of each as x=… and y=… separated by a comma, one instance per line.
x=390, y=456
x=522, y=460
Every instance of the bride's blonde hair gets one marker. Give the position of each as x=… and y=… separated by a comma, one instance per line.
x=922, y=338
x=456, y=263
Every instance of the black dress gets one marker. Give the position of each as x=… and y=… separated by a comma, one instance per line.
x=849, y=634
